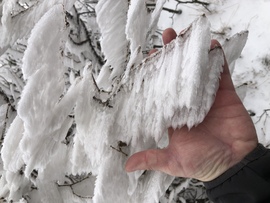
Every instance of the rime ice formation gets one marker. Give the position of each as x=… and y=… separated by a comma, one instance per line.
x=15, y=26
x=128, y=107
x=184, y=76
x=34, y=138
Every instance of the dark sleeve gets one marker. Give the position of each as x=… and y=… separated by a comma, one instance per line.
x=246, y=182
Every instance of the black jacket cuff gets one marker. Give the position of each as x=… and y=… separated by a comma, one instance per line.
x=258, y=152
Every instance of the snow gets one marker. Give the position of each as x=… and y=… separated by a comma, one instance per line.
x=15, y=26
x=113, y=43
x=120, y=111
x=47, y=63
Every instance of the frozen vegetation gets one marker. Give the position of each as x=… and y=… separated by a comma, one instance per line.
x=79, y=95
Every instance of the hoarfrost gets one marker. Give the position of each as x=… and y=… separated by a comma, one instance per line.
x=126, y=109
x=15, y=26
x=114, y=44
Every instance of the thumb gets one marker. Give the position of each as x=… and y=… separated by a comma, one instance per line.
x=153, y=159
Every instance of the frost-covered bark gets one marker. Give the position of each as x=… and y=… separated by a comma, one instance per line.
x=83, y=111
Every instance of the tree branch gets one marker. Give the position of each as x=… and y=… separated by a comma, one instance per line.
x=193, y=2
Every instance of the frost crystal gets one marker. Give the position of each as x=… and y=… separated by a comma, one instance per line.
x=126, y=108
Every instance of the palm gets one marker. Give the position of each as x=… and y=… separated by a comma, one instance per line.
x=225, y=136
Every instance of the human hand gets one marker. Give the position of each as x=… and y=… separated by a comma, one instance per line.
x=224, y=138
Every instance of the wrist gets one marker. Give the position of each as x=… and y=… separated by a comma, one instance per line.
x=254, y=154
x=237, y=153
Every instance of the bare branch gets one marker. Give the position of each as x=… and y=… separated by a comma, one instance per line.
x=264, y=113
x=193, y=2
x=73, y=183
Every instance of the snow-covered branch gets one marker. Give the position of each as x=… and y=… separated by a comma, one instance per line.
x=88, y=97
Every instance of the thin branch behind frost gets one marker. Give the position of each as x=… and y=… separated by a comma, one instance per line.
x=193, y=2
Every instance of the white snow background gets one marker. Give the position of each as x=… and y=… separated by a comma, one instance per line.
x=250, y=76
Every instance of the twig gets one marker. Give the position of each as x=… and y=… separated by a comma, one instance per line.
x=87, y=39
x=193, y=2
x=5, y=125
x=120, y=144
x=119, y=150
x=172, y=10
x=73, y=184
x=165, y=9
x=204, y=4
x=264, y=112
